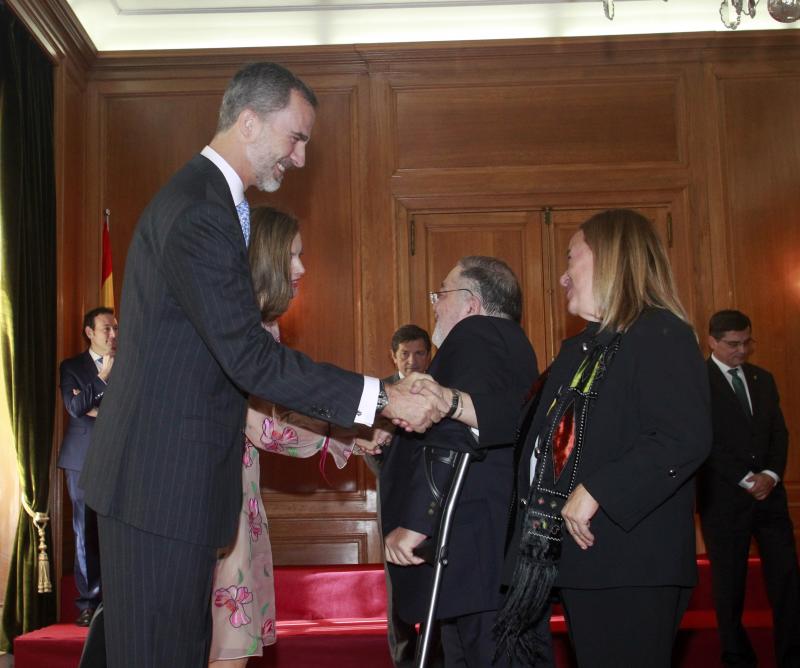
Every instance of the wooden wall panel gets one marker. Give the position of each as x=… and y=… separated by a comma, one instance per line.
x=628, y=122
x=77, y=257
x=760, y=163
x=146, y=136
x=677, y=123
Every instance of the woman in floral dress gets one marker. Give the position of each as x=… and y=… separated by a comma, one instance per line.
x=243, y=594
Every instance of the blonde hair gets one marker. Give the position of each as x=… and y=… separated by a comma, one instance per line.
x=270, y=257
x=631, y=268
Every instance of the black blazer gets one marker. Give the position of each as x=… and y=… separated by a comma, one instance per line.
x=78, y=373
x=166, y=452
x=492, y=360
x=742, y=443
x=648, y=432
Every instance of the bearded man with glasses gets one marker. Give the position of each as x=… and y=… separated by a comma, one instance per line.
x=487, y=365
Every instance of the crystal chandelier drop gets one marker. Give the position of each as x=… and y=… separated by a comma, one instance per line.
x=785, y=11
x=730, y=11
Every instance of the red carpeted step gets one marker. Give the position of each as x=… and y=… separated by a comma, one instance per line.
x=335, y=616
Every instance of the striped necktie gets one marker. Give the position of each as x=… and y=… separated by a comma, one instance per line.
x=243, y=210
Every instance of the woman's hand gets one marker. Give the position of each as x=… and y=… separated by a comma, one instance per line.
x=578, y=512
x=379, y=438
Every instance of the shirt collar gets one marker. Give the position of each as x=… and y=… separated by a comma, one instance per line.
x=724, y=367
x=234, y=181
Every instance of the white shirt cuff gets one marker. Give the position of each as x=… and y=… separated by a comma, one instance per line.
x=772, y=475
x=369, y=401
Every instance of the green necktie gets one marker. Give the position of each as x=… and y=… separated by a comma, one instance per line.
x=741, y=393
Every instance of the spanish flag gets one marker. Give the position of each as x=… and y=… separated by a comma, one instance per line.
x=107, y=275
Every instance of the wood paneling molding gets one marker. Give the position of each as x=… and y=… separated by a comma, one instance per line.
x=54, y=25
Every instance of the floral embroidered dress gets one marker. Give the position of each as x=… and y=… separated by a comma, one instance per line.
x=243, y=594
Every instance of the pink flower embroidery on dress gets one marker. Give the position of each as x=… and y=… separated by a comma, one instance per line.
x=234, y=598
x=254, y=519
x=267, y=628
x=247, y=454
x=274, y=440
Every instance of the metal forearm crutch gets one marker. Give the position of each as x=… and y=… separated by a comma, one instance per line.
x=462, y=463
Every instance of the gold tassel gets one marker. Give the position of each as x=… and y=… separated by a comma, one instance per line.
x=40, y=520
x=45, y=586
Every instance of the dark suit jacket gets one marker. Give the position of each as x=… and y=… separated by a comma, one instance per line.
x=492, y=360
x=166, y=452
x=742, y=443
x=648, y=432
x=78, y=373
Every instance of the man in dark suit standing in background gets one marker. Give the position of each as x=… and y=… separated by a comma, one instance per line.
x=83, y=384
x=486, y=358
x=410, y=352
x=164, y=468
x=741, y=494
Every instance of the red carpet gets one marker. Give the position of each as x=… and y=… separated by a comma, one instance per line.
x=334, y=617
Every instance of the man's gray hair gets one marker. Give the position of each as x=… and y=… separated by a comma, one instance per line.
x=494, y=284
x=262, y=87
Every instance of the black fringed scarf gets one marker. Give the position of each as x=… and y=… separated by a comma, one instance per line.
x=558, y=453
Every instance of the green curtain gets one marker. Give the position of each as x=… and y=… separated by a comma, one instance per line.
x=28, y=322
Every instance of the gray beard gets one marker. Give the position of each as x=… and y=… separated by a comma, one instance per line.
x=438, y=336
x=268, y=184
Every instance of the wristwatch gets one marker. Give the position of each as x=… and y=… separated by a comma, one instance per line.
x=383, y=398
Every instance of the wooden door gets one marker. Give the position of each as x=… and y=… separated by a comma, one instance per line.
x=438, y=240
x=534, y=243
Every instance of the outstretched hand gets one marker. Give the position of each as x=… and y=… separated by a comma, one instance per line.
x=415, y=403
x=373, y=440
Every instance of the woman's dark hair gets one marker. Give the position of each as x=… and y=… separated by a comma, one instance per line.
x=270, y=256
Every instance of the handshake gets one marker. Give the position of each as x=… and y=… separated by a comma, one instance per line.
x=415, y=403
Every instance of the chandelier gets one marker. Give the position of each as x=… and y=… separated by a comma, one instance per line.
x=730, y=11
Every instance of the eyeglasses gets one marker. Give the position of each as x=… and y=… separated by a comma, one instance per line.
x=436, y=295
x=734, y=345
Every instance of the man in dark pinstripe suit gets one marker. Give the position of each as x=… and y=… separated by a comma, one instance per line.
x=163, y=470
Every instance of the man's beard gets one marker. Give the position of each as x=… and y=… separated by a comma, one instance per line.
x=263, y=163
x=439, y=335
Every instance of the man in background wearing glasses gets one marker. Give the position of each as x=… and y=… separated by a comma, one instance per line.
x=741, y=494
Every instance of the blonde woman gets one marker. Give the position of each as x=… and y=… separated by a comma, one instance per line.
x=618, y=429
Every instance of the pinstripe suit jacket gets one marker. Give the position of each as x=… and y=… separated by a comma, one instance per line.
x=166, y=453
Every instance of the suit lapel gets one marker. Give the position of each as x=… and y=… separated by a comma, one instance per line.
x=89, y=365
x=753, y=386
x=216, y=183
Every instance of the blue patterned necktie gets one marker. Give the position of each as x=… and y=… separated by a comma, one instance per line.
x=243, y=209
x=738, y=388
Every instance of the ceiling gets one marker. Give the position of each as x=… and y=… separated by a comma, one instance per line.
x=115, y=25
